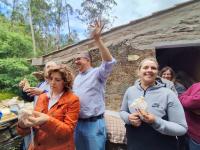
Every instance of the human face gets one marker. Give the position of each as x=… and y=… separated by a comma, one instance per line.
x=56, y=82
x=148, y=72
x=167, y=75
x=82, y=63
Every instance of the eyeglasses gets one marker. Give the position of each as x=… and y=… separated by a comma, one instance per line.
x=78, y=58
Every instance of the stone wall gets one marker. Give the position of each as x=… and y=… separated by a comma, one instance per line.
x=140, y=37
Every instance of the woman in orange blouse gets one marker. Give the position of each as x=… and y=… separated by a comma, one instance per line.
x=55, y=115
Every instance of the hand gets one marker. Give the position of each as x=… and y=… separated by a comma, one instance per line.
x=146, y=117
x=24, y=84
x=97, y=28
x=134, y=118
x=38, y=118
x=32, y=91
x=25, y=123
x=21, y=84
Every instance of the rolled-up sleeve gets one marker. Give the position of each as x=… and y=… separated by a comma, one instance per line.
x=105, y=69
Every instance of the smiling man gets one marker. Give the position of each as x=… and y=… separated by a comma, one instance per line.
x=89, y=85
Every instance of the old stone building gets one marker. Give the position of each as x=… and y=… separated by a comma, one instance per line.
x=172, y=36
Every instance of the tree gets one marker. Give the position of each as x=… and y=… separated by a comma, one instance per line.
x=69, y=10
x=92, y=10
x=42, y=25
x=44, y=20
x=13, y=44
x=15, y=47
x=60, y=11
x=12, y=70
x=67, y=39
x=15, y=10
x=32, y=29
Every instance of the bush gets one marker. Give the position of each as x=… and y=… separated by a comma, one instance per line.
x=6, y=95
x=15, y=44
x=12, y=71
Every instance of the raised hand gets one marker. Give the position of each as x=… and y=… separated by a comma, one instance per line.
x=97, y=27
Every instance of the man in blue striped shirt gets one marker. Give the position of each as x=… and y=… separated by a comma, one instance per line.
x=89, y=85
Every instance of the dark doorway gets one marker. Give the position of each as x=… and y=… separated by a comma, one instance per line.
x=182, y=60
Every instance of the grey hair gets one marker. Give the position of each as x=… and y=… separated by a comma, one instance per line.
x=50, y=63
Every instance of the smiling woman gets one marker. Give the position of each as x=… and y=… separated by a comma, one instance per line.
x=148, y=71
x=155, y=127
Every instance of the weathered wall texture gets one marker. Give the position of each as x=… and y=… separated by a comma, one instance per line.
x=138, y=38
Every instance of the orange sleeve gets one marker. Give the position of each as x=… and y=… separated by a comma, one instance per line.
x=64, y=129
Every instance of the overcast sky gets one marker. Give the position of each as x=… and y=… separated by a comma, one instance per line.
x=126, y=11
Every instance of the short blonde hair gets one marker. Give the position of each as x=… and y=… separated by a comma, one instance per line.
x=153, y=59
x=65, y=73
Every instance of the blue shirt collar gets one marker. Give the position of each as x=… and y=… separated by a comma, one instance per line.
x=85, y=72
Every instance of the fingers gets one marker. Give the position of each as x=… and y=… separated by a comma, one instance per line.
x=136, y=122
x=28, y=123
x=145, y=116
x=135, y=119
x=97, y=23
x=36, y=114
x=32, y=91
x=33, y=120
x=102, y=27
x=142, y=112
x=92, y=26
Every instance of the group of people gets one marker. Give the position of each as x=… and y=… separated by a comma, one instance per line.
x=69, y=112
x=163, y=125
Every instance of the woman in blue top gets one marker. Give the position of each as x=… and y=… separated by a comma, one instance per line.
x=157, y=127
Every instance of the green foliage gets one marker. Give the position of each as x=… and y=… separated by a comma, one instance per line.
x=49, y=20
x=92, y=10
x=13, y=44
x=6, y=95
x=19, y=27
x=12, y=71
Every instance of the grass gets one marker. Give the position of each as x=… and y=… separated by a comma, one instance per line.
x=6, y=95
